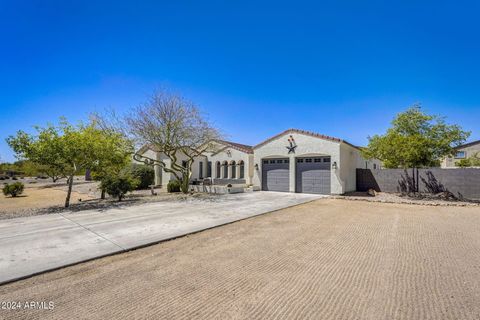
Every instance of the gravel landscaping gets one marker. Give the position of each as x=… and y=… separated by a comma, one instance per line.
x=42, y=196
x=420, y=199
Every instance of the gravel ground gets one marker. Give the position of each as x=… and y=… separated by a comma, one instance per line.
x=328, y=259
x=425, y=199
x=42, y=196
x=36, y=198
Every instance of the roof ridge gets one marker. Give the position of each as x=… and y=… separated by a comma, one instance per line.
x=468, y=144
x=235, y=145
x=305, y=132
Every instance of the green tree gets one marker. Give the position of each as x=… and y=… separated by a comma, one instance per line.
x=112, y=158
x=69, y=149
x=415, y=139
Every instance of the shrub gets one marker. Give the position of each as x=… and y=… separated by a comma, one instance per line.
x=13, y=189
x=173, y=186
x=119, y=186
x=144, y=174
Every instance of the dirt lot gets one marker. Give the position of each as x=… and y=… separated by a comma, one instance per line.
x=43, y=197
x=329, y=259
x=40, y=194
x=35, y=197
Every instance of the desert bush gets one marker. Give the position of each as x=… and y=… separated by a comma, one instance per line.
x=13, y=189
x=173, y=186
x=118, y=186
x=144, y=174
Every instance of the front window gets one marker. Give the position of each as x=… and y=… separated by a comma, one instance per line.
x=461, y=155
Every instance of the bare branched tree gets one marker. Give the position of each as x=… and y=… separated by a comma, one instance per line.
x=174, y=126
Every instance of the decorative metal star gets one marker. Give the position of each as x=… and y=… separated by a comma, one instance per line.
x=292, y=145
x=291, y=149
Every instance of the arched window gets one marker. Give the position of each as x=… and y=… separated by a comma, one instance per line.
x=241, y=164
x=217, y=170
x=234, y=169
x=225, y=169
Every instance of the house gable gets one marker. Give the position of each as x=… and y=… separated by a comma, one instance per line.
x=303, y=132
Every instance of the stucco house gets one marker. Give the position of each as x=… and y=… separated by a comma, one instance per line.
x=291, y=161
x=462, y=152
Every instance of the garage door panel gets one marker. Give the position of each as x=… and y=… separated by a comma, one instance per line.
x=313, y=175
x=276, y=175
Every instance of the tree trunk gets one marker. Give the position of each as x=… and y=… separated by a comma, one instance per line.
x=414, y=179
x=88, y=175
x=69, y=192
x=102, y=196
x=184, y=183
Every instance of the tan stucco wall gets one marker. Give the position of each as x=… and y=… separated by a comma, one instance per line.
x=306, y=146
x=158, y=174
x=162, y=177
x=347, y=157
x=470, y=151
x=230, y=154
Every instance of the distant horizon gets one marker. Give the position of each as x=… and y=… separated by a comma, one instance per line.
x=338, y=69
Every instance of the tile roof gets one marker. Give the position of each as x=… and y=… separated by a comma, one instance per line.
x=307, y=133
x=249, y=149
x=238, y=146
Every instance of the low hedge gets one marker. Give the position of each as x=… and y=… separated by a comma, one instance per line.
x=173, y=186
x=13, y=189
x=144, y=174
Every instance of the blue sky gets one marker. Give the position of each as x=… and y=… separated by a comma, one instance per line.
x=341, y=68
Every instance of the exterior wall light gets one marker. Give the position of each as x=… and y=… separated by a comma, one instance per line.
x=256, y=166
x=334, y=165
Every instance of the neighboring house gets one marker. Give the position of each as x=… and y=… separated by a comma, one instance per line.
x=291, y=161
x=462, y=152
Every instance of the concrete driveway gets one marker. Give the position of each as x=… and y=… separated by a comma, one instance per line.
x=33, y=245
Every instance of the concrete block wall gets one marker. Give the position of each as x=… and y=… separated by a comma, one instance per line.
x=461, y=182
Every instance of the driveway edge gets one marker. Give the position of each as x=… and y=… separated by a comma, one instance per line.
x=152, y=243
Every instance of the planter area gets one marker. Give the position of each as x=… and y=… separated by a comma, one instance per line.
x=223, y=189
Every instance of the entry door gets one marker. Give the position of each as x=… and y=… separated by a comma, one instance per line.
x=276, y=175
x=313, y=175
